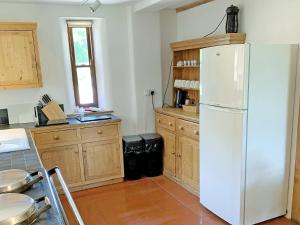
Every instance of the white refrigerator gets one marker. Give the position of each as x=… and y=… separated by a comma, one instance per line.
x=246, y=115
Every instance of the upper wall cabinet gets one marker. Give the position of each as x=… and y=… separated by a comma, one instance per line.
x=19, y=56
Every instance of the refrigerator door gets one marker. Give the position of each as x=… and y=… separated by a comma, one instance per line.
x=224, y=76
x=222, y=161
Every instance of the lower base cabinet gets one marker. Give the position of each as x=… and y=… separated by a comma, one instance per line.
x=189, y=162
x=169, y=155
x=86, y=159
x=181, y=150
x=67, y=158
x=108, y=153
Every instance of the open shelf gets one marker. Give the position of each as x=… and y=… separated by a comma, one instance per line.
x=186, y=67
x=187, y=89
x=187, y=73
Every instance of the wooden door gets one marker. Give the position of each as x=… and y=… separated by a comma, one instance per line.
x=188, y=154
x=18, y=61
x=67, y=158
x=102, y=160
x=169, y=140
x=296, y=188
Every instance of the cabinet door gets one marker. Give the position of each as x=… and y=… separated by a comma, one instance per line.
x=189, y=161
x=102, y=160
x=19, y=63
x=67, y=159
x=169, y=140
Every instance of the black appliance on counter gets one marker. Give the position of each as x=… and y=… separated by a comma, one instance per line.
x=133, y=150
x=180, y=98
x=232, y=22
x=42, y=120
x=153, y=159
x=4, y=117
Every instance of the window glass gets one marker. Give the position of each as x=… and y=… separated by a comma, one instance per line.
x=85, y=85
x=80, y=46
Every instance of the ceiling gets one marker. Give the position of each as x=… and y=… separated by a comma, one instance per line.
x=73, y=2
x=141, y=4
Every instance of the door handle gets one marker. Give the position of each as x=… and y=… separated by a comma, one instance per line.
x=56, y=137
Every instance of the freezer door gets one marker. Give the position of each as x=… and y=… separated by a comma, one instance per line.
x=222, y=162
x=224, y=76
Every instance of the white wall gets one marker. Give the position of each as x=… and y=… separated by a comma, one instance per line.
x=268, y=21
x=168, y=30
x=114, y=64
x=147, y=66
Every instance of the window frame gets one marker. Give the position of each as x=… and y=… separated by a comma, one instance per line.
x=89, y=33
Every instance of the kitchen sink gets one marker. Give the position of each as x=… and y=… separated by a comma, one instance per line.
x=13, y=140
x=90, y=118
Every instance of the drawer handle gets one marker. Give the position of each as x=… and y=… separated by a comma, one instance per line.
x=56, y=137
x=173, y=153
x=170, y=124
x=99, y=132
x=181, y=128
x=196, y=132
x=179, y=156
x=158, y=120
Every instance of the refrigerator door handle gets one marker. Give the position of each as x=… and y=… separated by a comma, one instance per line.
x=222, y=109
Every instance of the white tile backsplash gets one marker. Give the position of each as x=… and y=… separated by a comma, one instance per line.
x=21, y=113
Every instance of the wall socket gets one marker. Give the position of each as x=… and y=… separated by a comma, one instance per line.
x=147, y=92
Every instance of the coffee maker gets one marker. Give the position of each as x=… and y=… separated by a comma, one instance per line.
x=180, y=98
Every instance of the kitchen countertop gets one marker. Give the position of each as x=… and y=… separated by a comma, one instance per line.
x=28, y=160
x=73, y=122
x=179, y=113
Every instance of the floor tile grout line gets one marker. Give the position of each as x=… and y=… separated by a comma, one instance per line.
x=173, y=196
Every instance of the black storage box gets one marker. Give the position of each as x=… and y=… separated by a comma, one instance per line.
x=153, y=160
x=133, y=149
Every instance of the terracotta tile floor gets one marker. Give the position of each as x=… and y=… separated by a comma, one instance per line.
x=149, y=201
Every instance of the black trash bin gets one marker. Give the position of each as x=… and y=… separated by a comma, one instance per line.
x=133, y=149
x=153, y=160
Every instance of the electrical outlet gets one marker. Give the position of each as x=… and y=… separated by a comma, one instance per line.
x=147, y=92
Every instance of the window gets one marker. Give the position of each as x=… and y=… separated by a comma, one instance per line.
x=83, y=63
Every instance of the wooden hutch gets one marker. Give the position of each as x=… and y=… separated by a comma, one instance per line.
x=180, y=129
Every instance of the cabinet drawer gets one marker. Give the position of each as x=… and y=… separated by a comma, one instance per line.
x=166, y=122
x=188, y=129
x=99, y=132
x=54, y=137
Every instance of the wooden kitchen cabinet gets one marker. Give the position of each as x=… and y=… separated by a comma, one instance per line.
x=67, y=159
x=188, y=152
x=180, y=133
x=109, y=152
x=89, y=155
x=19, y=56
x=169, y=156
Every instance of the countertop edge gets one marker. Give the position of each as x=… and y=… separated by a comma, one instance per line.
x=180, y=114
